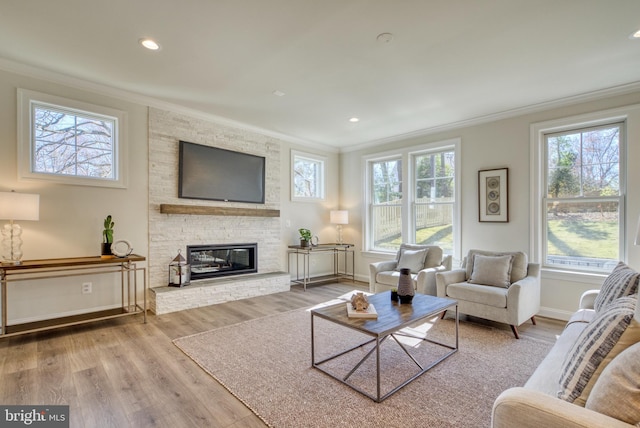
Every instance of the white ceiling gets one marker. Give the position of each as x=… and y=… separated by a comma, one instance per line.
x=450, y=61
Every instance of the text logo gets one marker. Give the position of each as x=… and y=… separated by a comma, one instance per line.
x=34, y=416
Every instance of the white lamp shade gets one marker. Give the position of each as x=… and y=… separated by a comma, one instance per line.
x=637, y=241
x=339, y=217
x=19, y=206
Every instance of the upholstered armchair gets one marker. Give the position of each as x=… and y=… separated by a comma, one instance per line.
x=423, y=260
x=498, y=286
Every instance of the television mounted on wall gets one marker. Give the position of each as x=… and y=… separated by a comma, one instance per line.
x=212, y=173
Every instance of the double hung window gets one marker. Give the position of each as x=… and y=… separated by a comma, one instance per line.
x=581, y=177
x=411, y=198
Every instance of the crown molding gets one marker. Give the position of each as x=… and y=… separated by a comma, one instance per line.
x=106, y=90
x=506, y=114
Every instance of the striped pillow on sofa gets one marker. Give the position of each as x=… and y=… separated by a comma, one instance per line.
x=623, y=281
x=611, y=332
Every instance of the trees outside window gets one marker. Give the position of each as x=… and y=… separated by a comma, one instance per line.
x=386, y=204
x=71, y=142
x=433, y=207
x=68, y=143
x=584, y=197
x=411, y=198
x=307, y=176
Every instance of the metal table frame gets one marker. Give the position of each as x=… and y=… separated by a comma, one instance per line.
x=38, y=270
x=378, y=338
x=335, y=249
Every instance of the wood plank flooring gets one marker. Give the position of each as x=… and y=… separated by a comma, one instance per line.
x=123, y=373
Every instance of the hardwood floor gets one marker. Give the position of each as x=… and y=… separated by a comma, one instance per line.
x=123, y=373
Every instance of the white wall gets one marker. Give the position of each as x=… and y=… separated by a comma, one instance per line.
x=71, y=217
x=503, y=143
x=309, y=215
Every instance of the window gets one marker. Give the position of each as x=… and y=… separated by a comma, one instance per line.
x=386, y=204
x=307, y=177
x=424, y=211
x=581, y=196
x=433, y=206
x=69, y=142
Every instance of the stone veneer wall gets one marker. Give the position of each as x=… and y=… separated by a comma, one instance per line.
x=169, y=233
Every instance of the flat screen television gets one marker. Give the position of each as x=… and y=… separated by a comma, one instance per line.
x=217, y=174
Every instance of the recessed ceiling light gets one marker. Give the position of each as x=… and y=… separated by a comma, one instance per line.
x=384, y=38
x=635, y=36
x=150, y=44
x=278, y=93
x=354, y=120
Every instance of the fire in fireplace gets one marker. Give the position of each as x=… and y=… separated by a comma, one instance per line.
x=210, y=261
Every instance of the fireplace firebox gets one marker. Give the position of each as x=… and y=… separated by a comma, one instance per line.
x=211, y=261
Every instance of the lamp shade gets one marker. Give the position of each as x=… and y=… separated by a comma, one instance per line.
x=637, y=240
x=19, y=206
x=339, y=217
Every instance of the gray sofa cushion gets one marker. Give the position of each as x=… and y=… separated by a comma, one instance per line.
x=491, y=270
x=546, y=377
x=519, y=264
x=434, y=255
x=490, y=296
x=390, y=277
x=412, y=260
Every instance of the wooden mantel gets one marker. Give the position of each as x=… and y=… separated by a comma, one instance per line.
x=222, y=211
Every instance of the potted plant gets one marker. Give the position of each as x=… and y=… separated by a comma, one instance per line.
x=107, y=237
x=305, y=237
x=394, y=294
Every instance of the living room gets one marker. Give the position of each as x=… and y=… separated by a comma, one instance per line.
x=71, y=217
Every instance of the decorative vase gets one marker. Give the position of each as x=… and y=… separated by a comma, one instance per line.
x=405, y=286
x=394, y=296
x=106, y=251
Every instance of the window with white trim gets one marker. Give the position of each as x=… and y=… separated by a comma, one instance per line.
x=70, y=142
x=411, y=198
x=581, y=176
x=307, y=176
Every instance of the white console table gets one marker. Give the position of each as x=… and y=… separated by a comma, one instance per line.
x=305, y=253
x=67, y=267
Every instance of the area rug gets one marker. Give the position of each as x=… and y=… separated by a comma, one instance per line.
x=266, y=363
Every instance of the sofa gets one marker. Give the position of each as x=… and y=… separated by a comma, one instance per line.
x=498, y=286
x=591, y=376
x=423, y=261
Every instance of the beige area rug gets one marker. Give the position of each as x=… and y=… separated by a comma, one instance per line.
x=266, y=363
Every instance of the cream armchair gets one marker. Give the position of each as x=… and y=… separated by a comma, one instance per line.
x=423, y=260
x=498, y=286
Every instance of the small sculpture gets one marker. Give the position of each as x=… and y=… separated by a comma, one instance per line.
x=359, y=302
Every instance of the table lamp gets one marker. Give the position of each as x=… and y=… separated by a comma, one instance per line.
x=16, y=206
x=339, y=217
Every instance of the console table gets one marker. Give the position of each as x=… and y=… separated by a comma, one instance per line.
x=32, y=270
x=305, y=254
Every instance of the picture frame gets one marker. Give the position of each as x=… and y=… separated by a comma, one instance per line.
x=493, y=195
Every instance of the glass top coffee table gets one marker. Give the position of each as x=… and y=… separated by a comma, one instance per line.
x=394, y=322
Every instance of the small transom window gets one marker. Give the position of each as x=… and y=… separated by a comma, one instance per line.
x=70, y=142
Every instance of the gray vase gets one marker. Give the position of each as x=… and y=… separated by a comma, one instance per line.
x=405, y=286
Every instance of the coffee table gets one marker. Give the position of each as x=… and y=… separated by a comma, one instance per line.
x=393, y=317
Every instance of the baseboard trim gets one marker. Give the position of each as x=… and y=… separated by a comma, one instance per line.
x=555, y=313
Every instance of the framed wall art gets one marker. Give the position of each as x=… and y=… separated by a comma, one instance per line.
x=493, y=195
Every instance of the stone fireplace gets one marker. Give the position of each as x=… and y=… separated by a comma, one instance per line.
x=172, y=232
x=211, y=261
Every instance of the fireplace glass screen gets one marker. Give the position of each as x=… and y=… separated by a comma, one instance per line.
x=208, y=261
